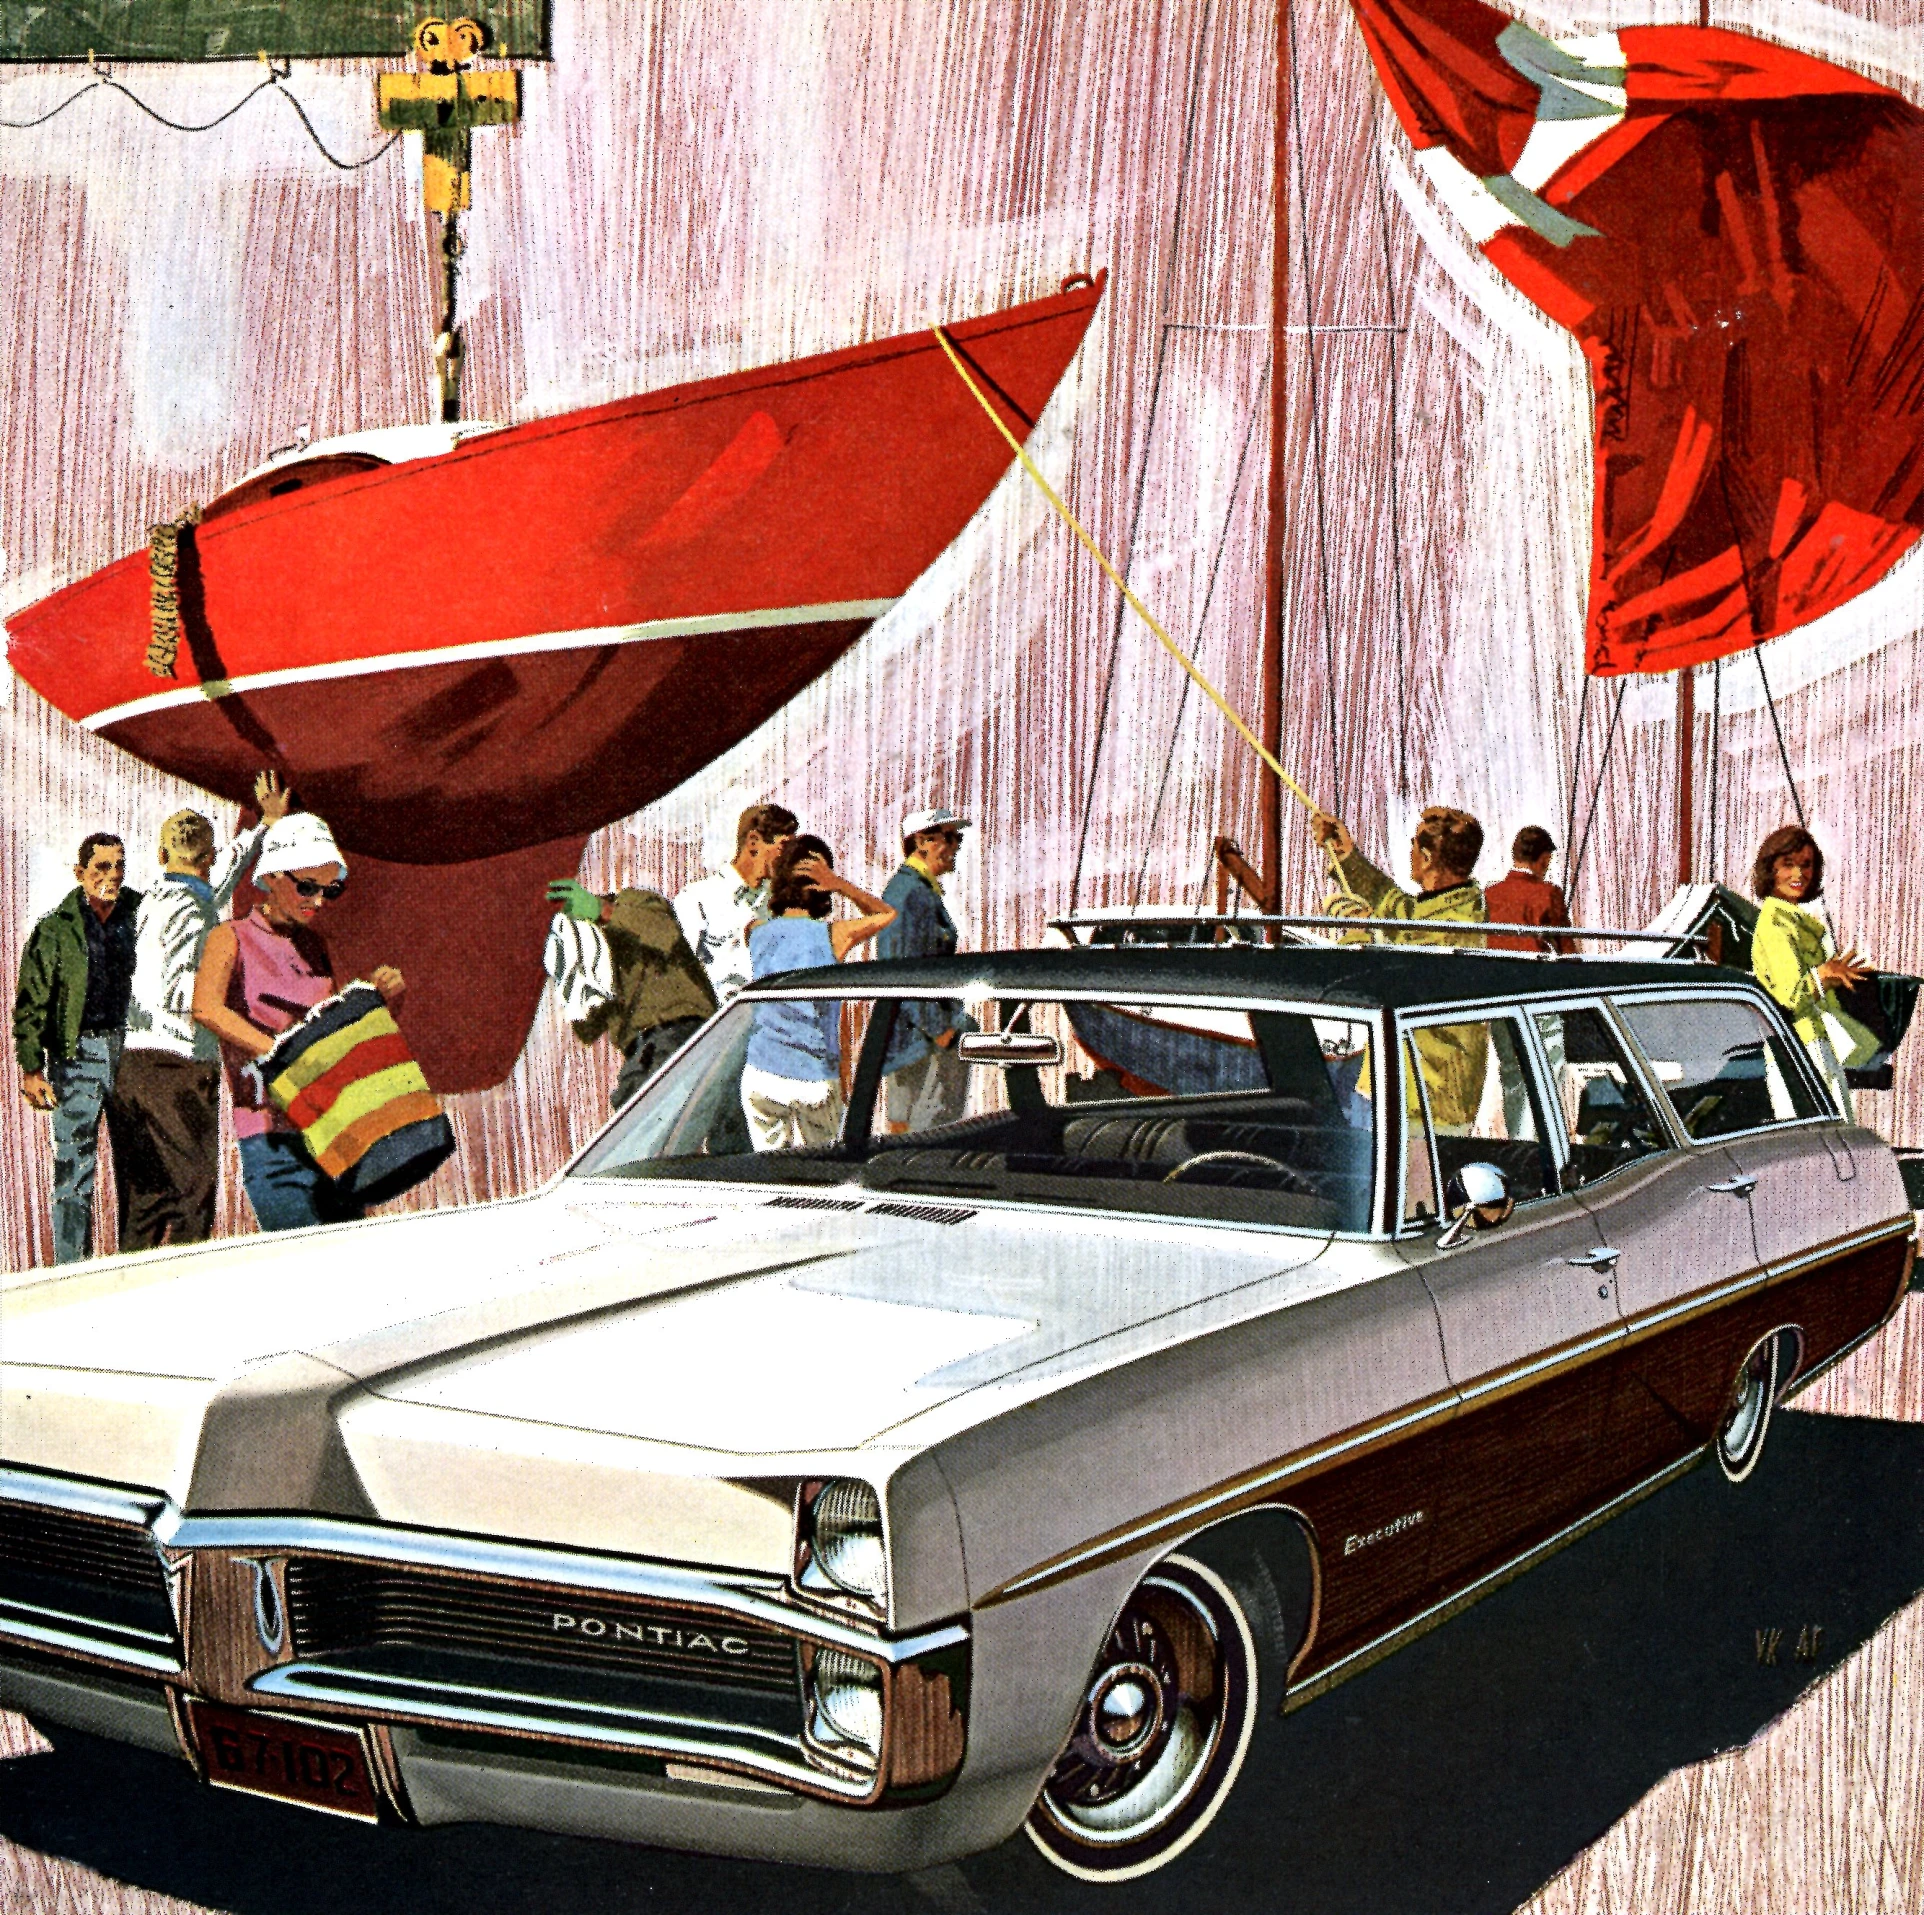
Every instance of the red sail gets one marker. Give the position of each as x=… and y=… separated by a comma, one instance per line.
x=1740, y=251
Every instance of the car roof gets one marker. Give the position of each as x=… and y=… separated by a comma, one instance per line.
x=1363, y=977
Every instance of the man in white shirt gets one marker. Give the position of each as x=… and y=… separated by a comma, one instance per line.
x=718, y=912
x=169, y=1079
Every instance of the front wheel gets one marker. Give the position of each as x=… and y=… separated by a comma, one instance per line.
x=1164, y=1726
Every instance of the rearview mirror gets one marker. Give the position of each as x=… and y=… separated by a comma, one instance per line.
x=1008, y=1050
x=1479, y=1199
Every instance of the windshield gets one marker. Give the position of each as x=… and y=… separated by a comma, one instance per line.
x=1245, y=1116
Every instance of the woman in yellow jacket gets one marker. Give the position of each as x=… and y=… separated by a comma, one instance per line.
x=1790, y=951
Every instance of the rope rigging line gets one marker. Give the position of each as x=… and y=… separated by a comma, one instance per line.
x=1576, y=779
x=1202, y=624
x=273, y=83
x=1405, y=635
x=1315, y=412
x=1596, y=790
x=1148, y=446
x=1783, y=752
x=1115, y=640
x=1776, y=725
x=1136, y=605
x=1716, y=720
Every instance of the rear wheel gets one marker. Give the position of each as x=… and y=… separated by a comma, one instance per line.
x=1740, y=1437
x=1167, y=1716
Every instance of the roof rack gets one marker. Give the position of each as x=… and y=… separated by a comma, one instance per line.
x=1324, y=929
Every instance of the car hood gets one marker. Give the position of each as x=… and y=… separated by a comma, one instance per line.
x=746, y=1326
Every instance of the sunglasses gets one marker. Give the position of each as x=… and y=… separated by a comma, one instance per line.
x=314, y=888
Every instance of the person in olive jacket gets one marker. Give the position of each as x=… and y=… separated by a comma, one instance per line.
x=662, y=996
x=69, y=1013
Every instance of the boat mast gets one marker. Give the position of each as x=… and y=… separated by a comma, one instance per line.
x=1263, y=880
x=1269, y=787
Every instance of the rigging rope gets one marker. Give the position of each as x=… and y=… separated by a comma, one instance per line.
x=273, y=83
x=1148, y=444
x=1315, y=413
x=1770, y=704
x=1783, y=752
x=1596, y=790
x=1115, y=642
x=1576, y=779
x=1716, y=716
x=1405, y=636
x=1202, y=623
x=1135, y=604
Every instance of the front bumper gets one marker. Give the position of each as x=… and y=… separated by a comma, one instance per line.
x=469, y=1658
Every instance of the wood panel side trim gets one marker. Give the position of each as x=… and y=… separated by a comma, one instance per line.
x=1357, y=1660
x=1699, y=1303
x=1173, y=1521
x=1904, y=1274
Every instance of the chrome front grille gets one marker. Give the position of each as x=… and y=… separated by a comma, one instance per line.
x=62, y=1568
x=337, y=1607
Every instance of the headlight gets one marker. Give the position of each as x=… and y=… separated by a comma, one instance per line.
x=840, y=1542
x=845, y=1706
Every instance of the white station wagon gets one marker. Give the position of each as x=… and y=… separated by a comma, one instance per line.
x=864, y=1503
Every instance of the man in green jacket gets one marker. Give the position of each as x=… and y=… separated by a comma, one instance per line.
x=69, y=1012
x=1443, y=853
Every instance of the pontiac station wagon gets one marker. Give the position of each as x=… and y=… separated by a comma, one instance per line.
x=863, y=1503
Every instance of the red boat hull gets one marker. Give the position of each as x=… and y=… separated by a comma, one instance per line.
x=467, y=663
x=627, y=592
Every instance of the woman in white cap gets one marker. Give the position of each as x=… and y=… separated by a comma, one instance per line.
x=259, y=976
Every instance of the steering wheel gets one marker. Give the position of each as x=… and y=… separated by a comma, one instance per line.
x=1294, y=1181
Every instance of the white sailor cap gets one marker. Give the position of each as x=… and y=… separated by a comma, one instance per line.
x=936, y=818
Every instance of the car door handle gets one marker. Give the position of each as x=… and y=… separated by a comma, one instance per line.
x=1740, y=1186
x=1601, y=1259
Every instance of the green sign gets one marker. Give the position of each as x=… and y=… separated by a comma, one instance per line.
x=237, y=30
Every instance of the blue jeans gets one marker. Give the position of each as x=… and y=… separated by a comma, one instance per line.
x=84, y=1084
x=287, y=1188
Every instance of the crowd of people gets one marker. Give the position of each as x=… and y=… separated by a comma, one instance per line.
x=128, y=1004
x=132, y=1007
x=672, y=962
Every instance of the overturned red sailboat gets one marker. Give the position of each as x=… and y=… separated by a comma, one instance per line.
x=469, y=661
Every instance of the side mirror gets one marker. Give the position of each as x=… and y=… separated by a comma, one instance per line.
x=1479, y=1199
x=1008, y=1050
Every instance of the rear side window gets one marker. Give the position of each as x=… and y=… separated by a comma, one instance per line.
x=1470, y=1082
x=1606, y=1119
x=1722, y=1064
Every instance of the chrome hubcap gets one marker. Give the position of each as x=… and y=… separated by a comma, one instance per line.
x=1125, y=1711
x=1150, y=1720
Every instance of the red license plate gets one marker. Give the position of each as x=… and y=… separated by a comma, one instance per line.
x=287, y=1757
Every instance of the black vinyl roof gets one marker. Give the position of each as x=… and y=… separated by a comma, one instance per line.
x=1363, y=977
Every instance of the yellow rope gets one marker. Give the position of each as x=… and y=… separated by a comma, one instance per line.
x=1136, y=605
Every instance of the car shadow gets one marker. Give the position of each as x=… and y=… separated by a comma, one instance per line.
x=1459, y=1774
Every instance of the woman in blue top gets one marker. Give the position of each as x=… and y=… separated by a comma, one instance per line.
x=792, y=1080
